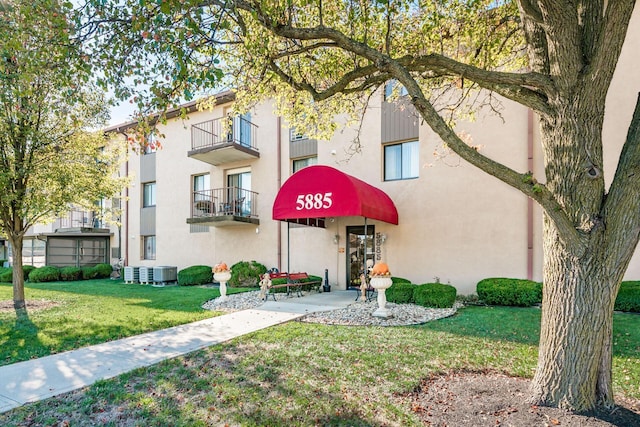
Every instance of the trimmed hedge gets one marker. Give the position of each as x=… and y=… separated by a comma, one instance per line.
x=509, y=292
x=246, y=274
x=311, y=278
x=6, y=273
x=195, y=275
x=436, y=295
x=26, y=270
x=45, y=274
x=70, y=274
x=103, y=270
x=400, y=293
x=89, y=273
x=628, y=297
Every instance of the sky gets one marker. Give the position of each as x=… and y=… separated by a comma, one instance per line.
x=121, y=113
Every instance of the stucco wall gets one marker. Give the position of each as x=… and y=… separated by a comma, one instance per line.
x=455, y=222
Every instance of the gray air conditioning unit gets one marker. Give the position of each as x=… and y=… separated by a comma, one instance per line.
x=164, y=274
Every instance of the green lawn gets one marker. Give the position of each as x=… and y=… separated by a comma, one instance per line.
x=309, y=374
x=94, y=311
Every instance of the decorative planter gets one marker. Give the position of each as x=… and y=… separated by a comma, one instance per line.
x=381, y=284
x=222, y=277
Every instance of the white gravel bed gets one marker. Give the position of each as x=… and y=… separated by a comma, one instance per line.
x=358, y=313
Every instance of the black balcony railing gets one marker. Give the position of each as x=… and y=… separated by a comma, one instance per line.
x=224, y=130
x=224, y=201
x=79, y=218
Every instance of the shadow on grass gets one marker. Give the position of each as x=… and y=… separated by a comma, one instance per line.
x=22, y=331
x=522, y=325
x=218, y=386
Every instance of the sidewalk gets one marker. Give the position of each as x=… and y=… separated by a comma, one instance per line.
x=38, y=379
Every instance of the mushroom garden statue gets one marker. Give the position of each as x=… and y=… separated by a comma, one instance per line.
x=381, y=281
x=222, y=274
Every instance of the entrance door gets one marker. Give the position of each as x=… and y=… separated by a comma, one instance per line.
x=355, y=251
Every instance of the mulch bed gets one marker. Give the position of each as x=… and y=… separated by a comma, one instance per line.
x=7, y=305
x=493, y=399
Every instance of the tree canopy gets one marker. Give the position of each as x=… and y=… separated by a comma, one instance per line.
x=52, y=152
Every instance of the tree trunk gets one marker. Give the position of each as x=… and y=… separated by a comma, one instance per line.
x=574, y=361
x=581, y=274
x=18, y=274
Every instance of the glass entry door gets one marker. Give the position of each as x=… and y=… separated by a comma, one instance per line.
x=356, y=252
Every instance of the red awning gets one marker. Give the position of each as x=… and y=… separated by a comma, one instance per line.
x=322, y=191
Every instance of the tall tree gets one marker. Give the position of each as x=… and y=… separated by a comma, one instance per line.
x=48, y=157
x=555, y=57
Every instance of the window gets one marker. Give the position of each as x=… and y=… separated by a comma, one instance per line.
x=149, y=247
x=149, y=194
x=401, y=161
x=239, y=128
x=394, y=85
x=201, y=187
x=303, y=163
x=245, y=130
x=202, y=195
x=33, y=252
x=238, y=197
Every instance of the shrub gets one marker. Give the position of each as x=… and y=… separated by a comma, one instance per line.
x=399, y=280
x=436, y=295
x=103, y=270
x=311, y=278
x=278, y=282
x=26, y=270
x=400, y=293
x=628, y=297
x=6, y=273
x=70, y=273
x=195, y=275
x=47, y=273
x=246, y=274
x=510, y=292
x=89, y=273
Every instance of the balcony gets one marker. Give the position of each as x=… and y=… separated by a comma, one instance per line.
x=222, y=207
x=224, y=140
x=77, y=220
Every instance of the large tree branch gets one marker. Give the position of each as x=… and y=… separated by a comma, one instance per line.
x=303, y=49
x=531, y=22
x=530, y=89
x=523, y=182
x=621, y=212
x=608, y=42
x=364, y=76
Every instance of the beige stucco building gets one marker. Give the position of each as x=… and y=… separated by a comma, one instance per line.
x=208, y=194
x=456, y=224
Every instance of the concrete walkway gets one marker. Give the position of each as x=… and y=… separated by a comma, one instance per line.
x=38, y=379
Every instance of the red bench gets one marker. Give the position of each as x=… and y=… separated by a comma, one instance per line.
x=294, y=281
